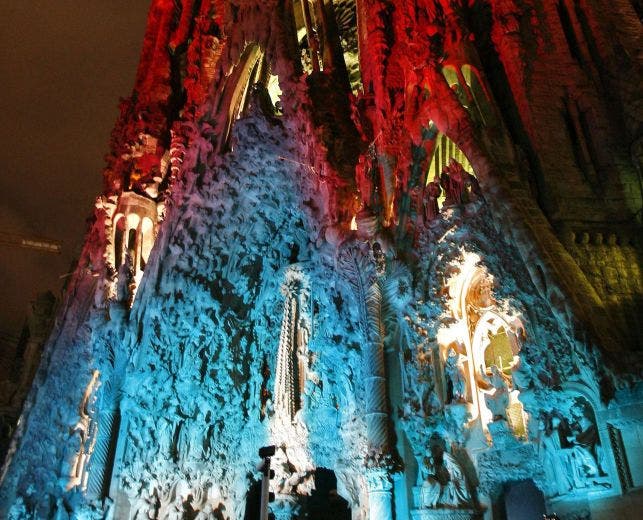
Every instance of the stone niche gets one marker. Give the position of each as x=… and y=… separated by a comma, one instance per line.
x=134, y=229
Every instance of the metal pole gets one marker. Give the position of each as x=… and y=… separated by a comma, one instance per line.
x=265, y=489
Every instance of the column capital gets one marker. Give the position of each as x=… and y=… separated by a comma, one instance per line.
x=378, y=479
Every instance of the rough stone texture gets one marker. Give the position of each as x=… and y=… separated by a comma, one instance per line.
x=271, y=268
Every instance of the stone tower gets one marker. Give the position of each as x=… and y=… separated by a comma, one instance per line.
x=399, y=240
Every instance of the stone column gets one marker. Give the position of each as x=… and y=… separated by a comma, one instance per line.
x=101, y=463
x=380, y=486
x=376, y=405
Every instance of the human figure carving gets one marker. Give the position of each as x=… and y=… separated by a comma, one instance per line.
x=443, y=481
x=521, y=375
x=553, y=458
x=587, y=436
x=452, y=181
x=197, y=431
x=82, y=439
x=456, y=383
x=147, y=505
x=472, y=189
x=165, y=434
x=582, y=460
x=431, y=208
x=498, y=400
x=459, y=185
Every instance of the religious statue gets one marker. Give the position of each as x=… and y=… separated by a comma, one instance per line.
x=456, y=382
x=185, y=442
x=147, y=504
x=165, y=435
x=452, y=181
x=449, y=185
x=567, y=462
x=81, y=440
x=552, y=457
x=498, y=400
x=443, y=480
x=586, y=435
x=126, y=281
x=585, y=449
x=198, y=431
x=433, y=192
x=521, y=375
x=460, y=186
x=472, y=189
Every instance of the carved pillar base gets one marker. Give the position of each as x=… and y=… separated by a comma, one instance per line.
x=380, y=498
x=285, y=507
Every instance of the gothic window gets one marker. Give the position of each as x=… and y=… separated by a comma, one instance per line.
x=581, y=140
x=134, y=228
x=471, y=92
x=451, y=74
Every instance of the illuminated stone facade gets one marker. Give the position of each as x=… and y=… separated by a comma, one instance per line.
x=399, y=240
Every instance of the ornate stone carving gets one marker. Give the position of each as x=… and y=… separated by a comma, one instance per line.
x=498, y=399
x=441, y=480
x=292, y=360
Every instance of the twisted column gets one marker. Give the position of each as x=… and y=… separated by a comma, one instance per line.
x=285, y=383
x=376, y=404
x=100, y=470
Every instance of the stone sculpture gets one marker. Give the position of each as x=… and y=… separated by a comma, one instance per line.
x=431, y=208
x=443, y=483
x=456, y=381
x=498, y=400
x=553, y=458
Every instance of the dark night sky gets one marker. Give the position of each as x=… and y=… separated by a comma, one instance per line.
x=64, y=64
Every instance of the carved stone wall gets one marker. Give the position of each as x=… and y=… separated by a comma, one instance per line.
x=380, y=283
